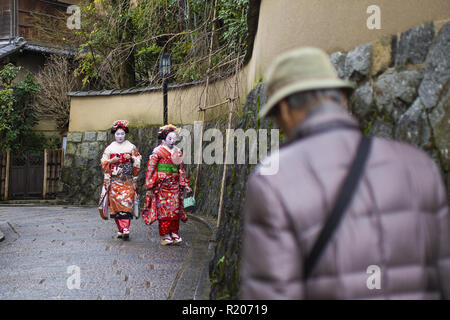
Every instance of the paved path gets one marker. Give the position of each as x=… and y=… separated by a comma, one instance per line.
x=42, y=244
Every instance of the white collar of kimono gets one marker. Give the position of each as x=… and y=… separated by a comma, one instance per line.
x=124, y=147
x=170, y=150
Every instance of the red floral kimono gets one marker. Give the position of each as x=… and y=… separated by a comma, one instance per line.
x=165, y=181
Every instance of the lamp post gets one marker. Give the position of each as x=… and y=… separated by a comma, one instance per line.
x=164, y=69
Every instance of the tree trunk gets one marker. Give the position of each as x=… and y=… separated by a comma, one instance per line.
x=126, y=69
x=181, y=19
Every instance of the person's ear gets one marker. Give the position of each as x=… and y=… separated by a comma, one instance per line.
x=345, y=99
x=285, y=112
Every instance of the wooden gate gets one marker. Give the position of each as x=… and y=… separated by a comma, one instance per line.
x=4, y=174
x=26, y=176
x=30, y=175
x=53, y=162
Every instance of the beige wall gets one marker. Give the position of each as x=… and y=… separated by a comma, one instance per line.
x=99, y=112
x=283, y=24
x=47, y=126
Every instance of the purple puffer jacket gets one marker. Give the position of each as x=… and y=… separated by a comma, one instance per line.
x=393, y=241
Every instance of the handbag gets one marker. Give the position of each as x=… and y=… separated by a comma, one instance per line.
x=136, y=212
x=103, y=206
x=189, y=203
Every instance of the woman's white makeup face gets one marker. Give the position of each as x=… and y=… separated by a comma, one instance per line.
x=120, y=135
x=171, y=139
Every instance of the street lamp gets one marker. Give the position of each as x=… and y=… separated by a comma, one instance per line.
x=164, y=70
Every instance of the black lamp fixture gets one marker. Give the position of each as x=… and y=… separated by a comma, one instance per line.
x=164, y=70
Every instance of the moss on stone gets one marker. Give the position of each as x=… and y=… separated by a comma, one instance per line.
x=381, y=55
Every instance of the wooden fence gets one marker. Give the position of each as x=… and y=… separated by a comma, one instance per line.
x=4, y=174
x=18, y=173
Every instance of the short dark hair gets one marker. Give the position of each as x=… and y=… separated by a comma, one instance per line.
x=275, y=111
x=301, y=99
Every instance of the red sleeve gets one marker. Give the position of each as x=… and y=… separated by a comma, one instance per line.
x=184, y=180
x=152, y=175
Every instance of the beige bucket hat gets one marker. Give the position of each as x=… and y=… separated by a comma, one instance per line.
x=298, y=70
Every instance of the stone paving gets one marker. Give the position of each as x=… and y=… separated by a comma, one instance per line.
x=42, y=243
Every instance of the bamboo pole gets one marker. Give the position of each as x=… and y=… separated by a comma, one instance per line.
x=227, y=139
x=62, y=158
x=8, y=161
x=206, y=97
x=230, y=117
x=60, y=167
x=216, y=105
x=51, y=172
x=2, y=172
x=44, y=192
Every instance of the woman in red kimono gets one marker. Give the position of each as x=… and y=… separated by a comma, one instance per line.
x=165, y=182
x=121, y=162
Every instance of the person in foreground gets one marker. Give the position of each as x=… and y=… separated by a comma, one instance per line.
x=121, y=162
x=391, y=240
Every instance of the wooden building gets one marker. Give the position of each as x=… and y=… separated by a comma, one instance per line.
x=22, y=44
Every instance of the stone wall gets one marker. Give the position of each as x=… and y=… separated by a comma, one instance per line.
x=81, y=174
x=403, y=89
x=224, y=267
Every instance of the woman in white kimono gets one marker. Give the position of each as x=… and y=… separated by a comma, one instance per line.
x=121, y=162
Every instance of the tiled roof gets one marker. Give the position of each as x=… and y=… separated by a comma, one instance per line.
x=130, y=90
x=7, y=48
x=40, y=48
x=10, y=47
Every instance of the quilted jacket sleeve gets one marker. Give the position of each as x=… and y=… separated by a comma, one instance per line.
x=269, y=246
x=443, y=224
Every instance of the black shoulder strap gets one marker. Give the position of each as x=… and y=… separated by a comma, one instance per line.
x=343, y=200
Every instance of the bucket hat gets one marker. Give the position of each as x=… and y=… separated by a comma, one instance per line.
x=299, y=70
